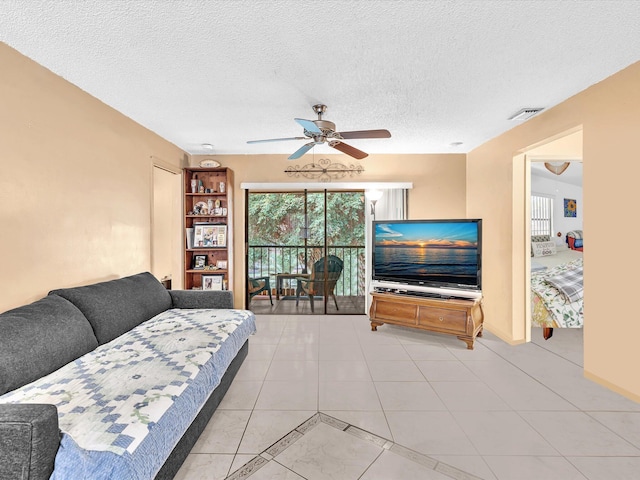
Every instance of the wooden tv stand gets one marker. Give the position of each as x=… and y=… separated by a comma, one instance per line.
x=454, y=316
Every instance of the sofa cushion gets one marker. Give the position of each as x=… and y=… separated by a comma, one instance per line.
x=116, y=306
x=29, y=440
x=39, y=338
x=202, y=298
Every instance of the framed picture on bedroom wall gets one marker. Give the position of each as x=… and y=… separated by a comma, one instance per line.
x=570, y=207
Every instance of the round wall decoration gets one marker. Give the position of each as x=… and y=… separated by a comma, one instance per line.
x=208, y=163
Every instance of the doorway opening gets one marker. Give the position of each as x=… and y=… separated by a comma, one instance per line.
x=553, y=216
x=305, y=252
x=166, y=224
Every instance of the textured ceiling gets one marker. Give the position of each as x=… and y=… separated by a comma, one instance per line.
x=224, y=72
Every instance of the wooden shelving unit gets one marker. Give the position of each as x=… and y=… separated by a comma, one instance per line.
x=210, y=205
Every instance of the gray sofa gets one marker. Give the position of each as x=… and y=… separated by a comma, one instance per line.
x=41, y=337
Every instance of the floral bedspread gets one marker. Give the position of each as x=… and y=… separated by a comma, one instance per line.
x=125, y=405
x=550, y=307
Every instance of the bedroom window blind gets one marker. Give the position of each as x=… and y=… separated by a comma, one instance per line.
x=541, y=215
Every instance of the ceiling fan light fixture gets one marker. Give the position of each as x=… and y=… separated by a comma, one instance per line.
x=556, y=167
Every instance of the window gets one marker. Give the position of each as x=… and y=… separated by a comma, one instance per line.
x=541, y=215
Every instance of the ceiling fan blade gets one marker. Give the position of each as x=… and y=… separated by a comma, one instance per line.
x=348, y=149
x=365, y=134
x=309, y=126
x=276, y=139
x=301, y=151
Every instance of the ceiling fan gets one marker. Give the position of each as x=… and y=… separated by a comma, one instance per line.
x=320, y=131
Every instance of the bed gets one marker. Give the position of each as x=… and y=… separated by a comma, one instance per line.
x=556, y=287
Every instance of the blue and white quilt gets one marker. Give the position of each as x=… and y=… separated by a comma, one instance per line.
x=123, y=407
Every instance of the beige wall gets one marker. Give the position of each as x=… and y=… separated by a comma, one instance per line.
x=438, y=186
x=609, y=113
x=566, y=147
x=75, y=185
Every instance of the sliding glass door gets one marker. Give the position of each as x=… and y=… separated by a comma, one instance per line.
x=305, y=252
x=345, y=239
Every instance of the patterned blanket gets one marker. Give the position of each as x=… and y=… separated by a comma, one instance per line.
x=565, y=308
x=123, y=407
x=569, y=283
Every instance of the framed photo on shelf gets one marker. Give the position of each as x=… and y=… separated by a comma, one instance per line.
x=221, y=264
x=212, y=282
x=209, y=235
x=199, y=262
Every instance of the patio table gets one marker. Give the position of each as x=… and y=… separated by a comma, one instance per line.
x=287, y=276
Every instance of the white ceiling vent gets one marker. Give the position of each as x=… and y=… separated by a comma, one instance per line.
x=525, y=113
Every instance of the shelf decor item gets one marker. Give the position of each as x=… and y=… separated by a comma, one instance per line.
x=210, y=235
x=212, y=282
x=221, y=264
x=201, y=208
x=199, y=262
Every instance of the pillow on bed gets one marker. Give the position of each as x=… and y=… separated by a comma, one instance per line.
x=539, y=238
x=575, y=243
x=543, y=249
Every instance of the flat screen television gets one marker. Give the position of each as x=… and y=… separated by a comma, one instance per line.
x=429, y=253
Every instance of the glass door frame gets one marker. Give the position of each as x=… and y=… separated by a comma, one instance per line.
x=325, y=245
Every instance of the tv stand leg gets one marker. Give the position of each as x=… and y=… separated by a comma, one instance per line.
x=468, y=341
x=375, y=325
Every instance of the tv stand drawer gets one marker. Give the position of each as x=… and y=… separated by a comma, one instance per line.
x=442, y=319
x=404, y=312
x=461, y=317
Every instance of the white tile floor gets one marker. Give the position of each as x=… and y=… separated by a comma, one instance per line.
x=499, y=412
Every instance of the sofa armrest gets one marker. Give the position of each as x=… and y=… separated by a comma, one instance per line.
x=201, y=298
x=29, y=440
